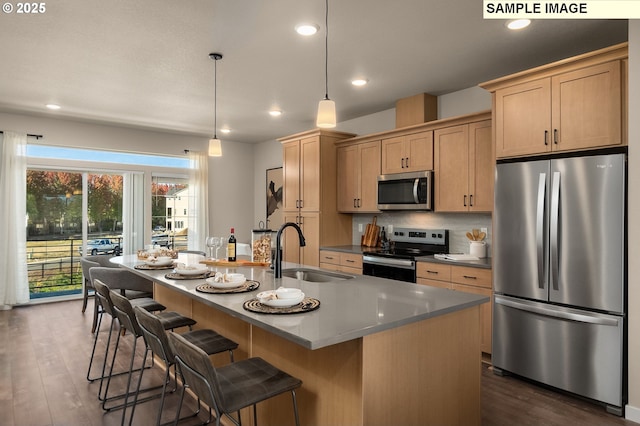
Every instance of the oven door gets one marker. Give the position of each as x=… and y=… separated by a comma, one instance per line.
x=394, y=269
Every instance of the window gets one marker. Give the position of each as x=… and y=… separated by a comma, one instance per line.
x=76, y=195
x=170, y=207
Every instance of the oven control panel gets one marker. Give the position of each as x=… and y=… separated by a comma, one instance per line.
x=421, y=236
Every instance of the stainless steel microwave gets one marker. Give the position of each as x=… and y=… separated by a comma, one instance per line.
x=406, y=191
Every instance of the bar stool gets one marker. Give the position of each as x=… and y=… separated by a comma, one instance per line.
x=106, y=307
x=156, y=340
x=123, y=309
x=231, y=387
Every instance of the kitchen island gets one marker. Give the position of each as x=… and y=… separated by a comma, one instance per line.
x=376, y=352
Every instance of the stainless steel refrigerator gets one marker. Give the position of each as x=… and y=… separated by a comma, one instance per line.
x=560, y=276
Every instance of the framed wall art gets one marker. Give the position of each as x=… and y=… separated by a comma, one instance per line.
x=274, y=198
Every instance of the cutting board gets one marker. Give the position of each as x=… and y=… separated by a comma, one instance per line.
x=371, y=234
x=237, y=263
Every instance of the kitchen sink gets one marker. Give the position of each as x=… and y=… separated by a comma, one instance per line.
x=313, y=275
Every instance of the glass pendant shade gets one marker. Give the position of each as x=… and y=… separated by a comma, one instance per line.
x=215, y=148
x=326, y=114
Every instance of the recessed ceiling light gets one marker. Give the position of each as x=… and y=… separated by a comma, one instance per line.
x=225, y=130
x=53, y=106
x=307, y=29
x=359, y=81
x=518, y=24
x=275, y=113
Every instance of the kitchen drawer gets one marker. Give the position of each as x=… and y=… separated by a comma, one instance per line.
x=433, y=271
x=330, y=267
x=332, y=257
x=351, y=260
x=352, y=271
x=434, y=283
x=478, y=277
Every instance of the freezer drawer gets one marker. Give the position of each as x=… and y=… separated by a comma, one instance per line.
x=577, y=351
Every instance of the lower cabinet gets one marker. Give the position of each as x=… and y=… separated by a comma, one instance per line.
x=462, y=278
x=349, y=263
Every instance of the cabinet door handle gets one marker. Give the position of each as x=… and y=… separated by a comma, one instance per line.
x=297, y=204
x=358, y=202
x=407, y=162
x=354, y=203
x=402, y=163
x=471, y=200
x=546, y=137
x=555, y=136
x=301, y=203
x=469, y=277
x=465, y=200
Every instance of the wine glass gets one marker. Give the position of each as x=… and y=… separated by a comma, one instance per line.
x=219, y=241
x=211, y=243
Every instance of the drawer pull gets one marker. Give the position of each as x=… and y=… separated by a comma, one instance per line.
x=470, y=277
x=432, y=272
x=350, y=261
x=328, y=257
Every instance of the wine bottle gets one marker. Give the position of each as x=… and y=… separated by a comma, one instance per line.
x=231, y=247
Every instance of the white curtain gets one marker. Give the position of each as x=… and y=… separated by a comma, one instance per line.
x=14, y=282
x=133, y=201
x=198, y=200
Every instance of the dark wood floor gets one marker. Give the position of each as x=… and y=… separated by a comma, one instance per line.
x=45, y=349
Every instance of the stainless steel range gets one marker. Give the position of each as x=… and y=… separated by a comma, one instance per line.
x=407, y=244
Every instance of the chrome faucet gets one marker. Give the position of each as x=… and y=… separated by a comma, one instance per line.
x=278, y=261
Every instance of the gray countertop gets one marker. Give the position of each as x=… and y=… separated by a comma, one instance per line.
x=349, y=309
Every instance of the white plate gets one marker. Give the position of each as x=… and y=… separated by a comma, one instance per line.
x=156, y=262
x=236, y=281
x=194, y=270
x=278, y=303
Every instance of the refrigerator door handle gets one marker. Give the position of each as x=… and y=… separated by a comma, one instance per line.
x=542, y=186
x=555, y=313
x=554, y=219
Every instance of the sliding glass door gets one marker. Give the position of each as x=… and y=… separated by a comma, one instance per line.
x=59, y=205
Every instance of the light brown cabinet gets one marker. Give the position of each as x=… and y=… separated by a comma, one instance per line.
x=350, y=263
x=463, y=168
x=407, y=153
x=462, y=278
x=574, y=104
x=309, y=196
x=358, y=169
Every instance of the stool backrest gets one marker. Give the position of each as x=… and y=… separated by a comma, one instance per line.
x=124, y=312
x=118, y=278
x=87, y=264
x=197, y=370
x=154, y=334
x=104, y=296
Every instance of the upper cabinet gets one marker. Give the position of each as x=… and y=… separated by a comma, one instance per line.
x=358, y=169
x=407, y=153
x=464, y=166
x=571, y=105
x=301, y=171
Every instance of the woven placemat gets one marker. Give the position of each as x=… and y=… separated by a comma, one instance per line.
x=177, y=276
x=249, y=285
x=308, y=304
x=144, y=266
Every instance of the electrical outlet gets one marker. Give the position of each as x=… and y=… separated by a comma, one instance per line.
x=360, y=227
x=389, y=230
x=483, y=230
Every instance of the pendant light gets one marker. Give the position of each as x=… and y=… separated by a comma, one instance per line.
x=215, y=146
x=326, y=108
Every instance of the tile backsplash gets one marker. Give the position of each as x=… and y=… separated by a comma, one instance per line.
x=458, y=225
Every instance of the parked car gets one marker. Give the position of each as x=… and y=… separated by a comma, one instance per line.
x=161, y=240
x=101, y=246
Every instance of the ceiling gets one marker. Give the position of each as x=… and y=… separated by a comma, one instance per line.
x=145, y=63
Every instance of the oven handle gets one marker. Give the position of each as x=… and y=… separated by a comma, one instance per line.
x=398, y=263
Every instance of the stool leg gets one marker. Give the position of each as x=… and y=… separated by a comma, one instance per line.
x=93, y=350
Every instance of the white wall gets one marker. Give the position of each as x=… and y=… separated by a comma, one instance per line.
x=633, y=408
x=231, y=180
x=266, y=155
